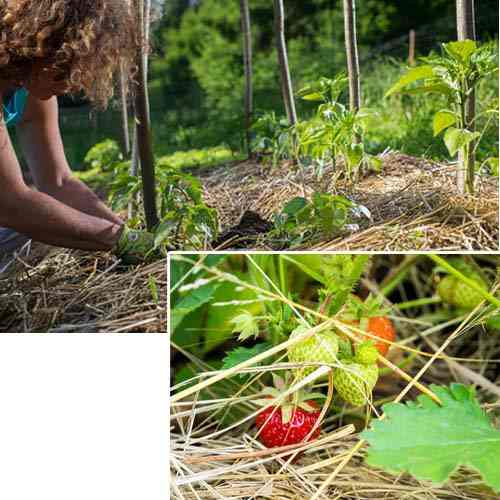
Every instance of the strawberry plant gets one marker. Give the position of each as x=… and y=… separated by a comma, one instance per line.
x=324, y=216
x=454, y=75
x=297, y=360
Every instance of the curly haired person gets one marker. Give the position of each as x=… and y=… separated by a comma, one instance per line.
x=49, y=48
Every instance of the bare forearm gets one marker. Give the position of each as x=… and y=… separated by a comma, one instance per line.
x=76, y=194
x=47, y=220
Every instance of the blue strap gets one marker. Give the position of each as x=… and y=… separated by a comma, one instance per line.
x=14, y=109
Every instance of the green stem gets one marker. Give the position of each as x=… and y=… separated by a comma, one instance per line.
x=418, y=303
x=471, y=283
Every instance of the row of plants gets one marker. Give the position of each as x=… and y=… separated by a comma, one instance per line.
x=336, y=133
x=305, y=341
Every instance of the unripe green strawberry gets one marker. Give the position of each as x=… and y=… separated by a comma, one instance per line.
x=355, y=382
x=458, y=294
x=366, y=353
x=322, y=348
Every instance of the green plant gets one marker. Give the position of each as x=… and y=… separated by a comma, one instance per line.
x=441, y=437
x=335, y=131
x=455, y=75
x=324, y=216
x=185, y=221
x=272, y=137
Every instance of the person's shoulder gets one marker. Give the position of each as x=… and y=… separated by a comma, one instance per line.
x=38, y=110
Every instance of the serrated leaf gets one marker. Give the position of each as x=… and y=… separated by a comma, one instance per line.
x=413, y=75
x=191, y=302
x=430, y=441
x=443, y=119
x=241, y=354
x=246, y=325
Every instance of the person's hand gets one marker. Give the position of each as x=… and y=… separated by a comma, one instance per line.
x=135, y=247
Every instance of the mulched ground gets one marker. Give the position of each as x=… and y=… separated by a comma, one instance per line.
x=413, y=202
x=58, y=290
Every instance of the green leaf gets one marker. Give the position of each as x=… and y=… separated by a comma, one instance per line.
x=153, y=288
x=443, y=119
x=314, y=96
x=294, y=206
x=241, y=354
x=462, y=50
x=455, y=139
x=354, y=153
x=246, y=325
x=430, y=441
x=195, y=299
x=435, y=88
x=413, y=75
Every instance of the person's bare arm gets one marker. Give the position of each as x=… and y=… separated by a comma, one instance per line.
x=40, y=139
x=42, y=217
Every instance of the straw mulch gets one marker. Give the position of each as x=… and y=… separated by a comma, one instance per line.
x=213, y=457
x=414, y=204
x=61, y=290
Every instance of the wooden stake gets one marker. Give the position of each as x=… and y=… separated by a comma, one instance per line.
x=286, y=79
x=247, y=60
x=411, y=54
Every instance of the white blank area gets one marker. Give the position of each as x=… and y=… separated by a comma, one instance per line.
x=84, y=417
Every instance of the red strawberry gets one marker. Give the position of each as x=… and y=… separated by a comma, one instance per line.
x=274, y=432
x=382, y=328
x=291, y=421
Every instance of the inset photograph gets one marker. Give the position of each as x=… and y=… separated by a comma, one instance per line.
x=335, y=376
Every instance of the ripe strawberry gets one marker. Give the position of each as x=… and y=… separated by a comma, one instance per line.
x=292, y=420
x=366, y=353
x=355, y=382
x=458, y=294
x=373, y=320
x=274, y=431
x=322, y=347
x=382, y=328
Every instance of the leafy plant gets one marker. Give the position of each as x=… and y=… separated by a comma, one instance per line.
x=455, y=75
x=272, y=137
x=430, y=441
x=335, y=131
x=185, y=221
x=325, y=216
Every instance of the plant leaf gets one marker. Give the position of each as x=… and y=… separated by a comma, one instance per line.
x=455, y=139
x=241, y=354
x=246, y=325
x=191, y=302
x=430, y=441
x=413, y=75
x=443, y=119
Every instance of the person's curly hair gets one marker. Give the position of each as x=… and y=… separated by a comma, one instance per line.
x=84, y=40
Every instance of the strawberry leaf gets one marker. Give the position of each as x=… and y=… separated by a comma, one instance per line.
x=241, y=354
x=430, y=441
x=246, y=325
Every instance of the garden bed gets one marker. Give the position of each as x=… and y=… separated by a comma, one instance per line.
x=413, y=202
x=59, y=290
